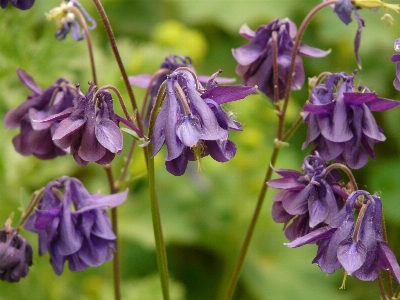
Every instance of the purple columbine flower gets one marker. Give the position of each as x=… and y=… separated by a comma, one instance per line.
x=340, y=122
x=66, y=20
x=89, y=131
x=15, y=255
x=35, y=138
x=359, y=247
x=73, y=226
x=170, y=64
x=21, y=4
x=310, y=198
x=256, y=58
x=192, y=123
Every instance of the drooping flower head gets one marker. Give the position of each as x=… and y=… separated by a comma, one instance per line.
x=169, y=65
x=15, y=255
x=310, y=198
x=21, y=4
x=256, y=58
x=73, y=225
x=357, y=246
x=90, y=129
x=192, y=123
x=66, y=20
x=340, y=122
x=35, y=138
x=344, y=8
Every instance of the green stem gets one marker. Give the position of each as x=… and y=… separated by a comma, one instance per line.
x=77, y=12
x=381, y=287
x=250, y=230
x=158, y=235
x=293, y=129
x=346, y=170
x=114, y=48
x=295, y=51
x=114, y=226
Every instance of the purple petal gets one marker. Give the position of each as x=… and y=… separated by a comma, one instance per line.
x=189, y=131
x=70, y=239
x=29, y=81
x=96, y=201
x=308, y=51
x=390, y=258
x=142, y=80
x=225, y=94
x=351, y=255
x=357, y=39
x=358, y=98
x=312, y=237
x=109, y=135
x=247, y=54
x=318, y=109
x=68, y=126
x=382, y=104
x=221, y=150
x=287, y=183
x=369, y=126
x=90, y=149
x=177, y=166
x=279, y=214
x=246, y=32
x=298, y=205
x=318, y=210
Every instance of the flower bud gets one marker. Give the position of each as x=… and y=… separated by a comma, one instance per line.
x=15, y=255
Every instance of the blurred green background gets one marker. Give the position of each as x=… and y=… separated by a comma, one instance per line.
x=205, y=214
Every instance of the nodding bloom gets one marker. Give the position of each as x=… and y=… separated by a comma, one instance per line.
x=256, y=58
x=311, y=198
x=357, y=246
x=66, y=20
x=21, y=4
x=340, y=122
x=73, y=226
x=192, y=123
x=15, y=255
x=90, y=129
x=344, y=8
x=35, y=138
x=170, y=64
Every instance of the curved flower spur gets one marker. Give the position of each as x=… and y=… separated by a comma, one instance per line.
x=191, y=121
x=89, y=131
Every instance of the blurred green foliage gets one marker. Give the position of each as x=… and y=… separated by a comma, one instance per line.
x=205, y=214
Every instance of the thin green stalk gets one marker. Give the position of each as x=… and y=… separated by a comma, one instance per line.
x=77, y=12
x=114, y=226
x=121, y=66
x=158, y=235
x=381, y=287
x=280, y=138
x=296, y=46
x=250, y=230
x=346, y=170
